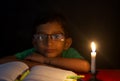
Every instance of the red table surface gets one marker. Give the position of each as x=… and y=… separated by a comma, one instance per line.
x=104, y=75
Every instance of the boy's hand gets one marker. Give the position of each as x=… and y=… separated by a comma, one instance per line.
x=36, y=57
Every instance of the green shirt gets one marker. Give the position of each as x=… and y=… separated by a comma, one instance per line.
x=70, y=53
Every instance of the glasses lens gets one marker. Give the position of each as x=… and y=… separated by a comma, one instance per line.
x=57, y=36
x=42, y=36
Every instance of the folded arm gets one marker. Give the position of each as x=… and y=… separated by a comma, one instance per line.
x=13, y=58
x=7, y=59
x=74, y=64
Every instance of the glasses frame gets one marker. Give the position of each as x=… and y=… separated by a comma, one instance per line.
x=54, y=37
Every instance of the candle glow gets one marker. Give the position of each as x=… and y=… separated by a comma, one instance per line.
x=93, y=46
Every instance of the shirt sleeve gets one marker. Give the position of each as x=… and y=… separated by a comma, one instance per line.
x=71, y=53
x=22, y=55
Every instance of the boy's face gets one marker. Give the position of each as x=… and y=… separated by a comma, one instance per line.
x=50, y=40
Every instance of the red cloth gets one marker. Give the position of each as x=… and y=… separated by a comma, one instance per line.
x=105, y=75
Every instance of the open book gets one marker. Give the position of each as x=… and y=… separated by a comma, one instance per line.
x=19, y=71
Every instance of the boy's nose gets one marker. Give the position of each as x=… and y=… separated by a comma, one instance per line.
x=49, y=41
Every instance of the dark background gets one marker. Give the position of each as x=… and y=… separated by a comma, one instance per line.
x=90, y=20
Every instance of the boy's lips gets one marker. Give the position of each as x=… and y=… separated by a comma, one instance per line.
x=49, y=50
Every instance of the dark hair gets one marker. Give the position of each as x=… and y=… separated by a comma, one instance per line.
x=51, y=17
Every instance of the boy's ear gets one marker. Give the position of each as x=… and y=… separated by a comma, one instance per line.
x=34, y=42
x=68, y=43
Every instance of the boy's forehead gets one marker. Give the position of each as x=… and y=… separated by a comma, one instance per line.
x=50, y=28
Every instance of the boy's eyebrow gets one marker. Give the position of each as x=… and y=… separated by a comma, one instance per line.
x=42, y=32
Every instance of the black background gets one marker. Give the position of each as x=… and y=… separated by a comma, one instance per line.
x=90, y=20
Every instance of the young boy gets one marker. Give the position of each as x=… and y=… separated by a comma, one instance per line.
x=52, y=43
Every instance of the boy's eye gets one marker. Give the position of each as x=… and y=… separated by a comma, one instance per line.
x=57, y=36
x=42, y=36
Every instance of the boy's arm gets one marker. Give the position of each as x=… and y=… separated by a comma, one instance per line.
x=7, y=59
x=74, y=64
x=13, y=58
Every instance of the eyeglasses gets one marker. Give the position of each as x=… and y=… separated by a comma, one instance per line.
x=55, y=37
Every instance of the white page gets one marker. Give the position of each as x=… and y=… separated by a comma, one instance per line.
x=47, y=73
x=11, y=70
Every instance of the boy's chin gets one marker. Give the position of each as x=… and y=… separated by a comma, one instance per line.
x=51, y=55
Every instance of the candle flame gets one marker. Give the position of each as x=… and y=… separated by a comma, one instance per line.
x=93, y=46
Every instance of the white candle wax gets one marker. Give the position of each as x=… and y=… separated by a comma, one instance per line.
x=93, y=57
x=93, y=65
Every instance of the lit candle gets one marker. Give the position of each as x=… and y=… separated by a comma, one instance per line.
x=93, y=56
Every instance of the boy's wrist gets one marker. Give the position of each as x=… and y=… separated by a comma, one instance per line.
x=47, y=61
